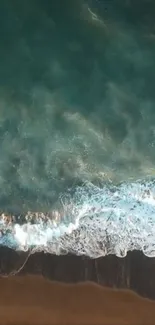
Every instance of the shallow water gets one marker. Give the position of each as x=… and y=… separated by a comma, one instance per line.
x=77, y=116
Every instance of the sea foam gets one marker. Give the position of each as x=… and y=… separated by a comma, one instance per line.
x=96, y=221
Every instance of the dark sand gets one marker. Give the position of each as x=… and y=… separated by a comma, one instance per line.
x=35, y=300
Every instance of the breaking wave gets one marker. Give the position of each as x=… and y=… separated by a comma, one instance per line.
x=94, y=221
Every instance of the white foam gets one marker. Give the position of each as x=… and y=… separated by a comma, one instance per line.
x=107, y=220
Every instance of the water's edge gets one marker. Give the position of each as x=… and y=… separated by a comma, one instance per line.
x=135, y=271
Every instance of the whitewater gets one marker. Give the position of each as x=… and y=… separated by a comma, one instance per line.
x=94, y=221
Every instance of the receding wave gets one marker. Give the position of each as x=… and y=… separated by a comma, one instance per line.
x=94, y=221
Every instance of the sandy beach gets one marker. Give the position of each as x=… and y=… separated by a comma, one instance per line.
x=34, y=300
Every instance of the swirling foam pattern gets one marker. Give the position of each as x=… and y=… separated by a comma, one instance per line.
x=95, y=222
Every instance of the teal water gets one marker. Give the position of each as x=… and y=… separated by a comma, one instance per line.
x=77, y=107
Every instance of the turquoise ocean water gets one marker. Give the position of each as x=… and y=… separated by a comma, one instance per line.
x=77, y=126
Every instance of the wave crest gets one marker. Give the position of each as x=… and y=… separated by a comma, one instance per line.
x=94, y=222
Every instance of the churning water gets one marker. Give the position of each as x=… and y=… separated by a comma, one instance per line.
x=77, y=126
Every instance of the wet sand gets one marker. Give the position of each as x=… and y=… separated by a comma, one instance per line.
x=35, y=300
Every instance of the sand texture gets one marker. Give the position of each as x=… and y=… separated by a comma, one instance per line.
x=35, y=300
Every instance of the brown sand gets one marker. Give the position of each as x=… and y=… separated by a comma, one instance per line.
x=34, y=300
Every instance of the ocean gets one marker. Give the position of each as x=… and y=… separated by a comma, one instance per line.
x=77, y=126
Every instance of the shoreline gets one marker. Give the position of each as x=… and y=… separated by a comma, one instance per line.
x=134, y=272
